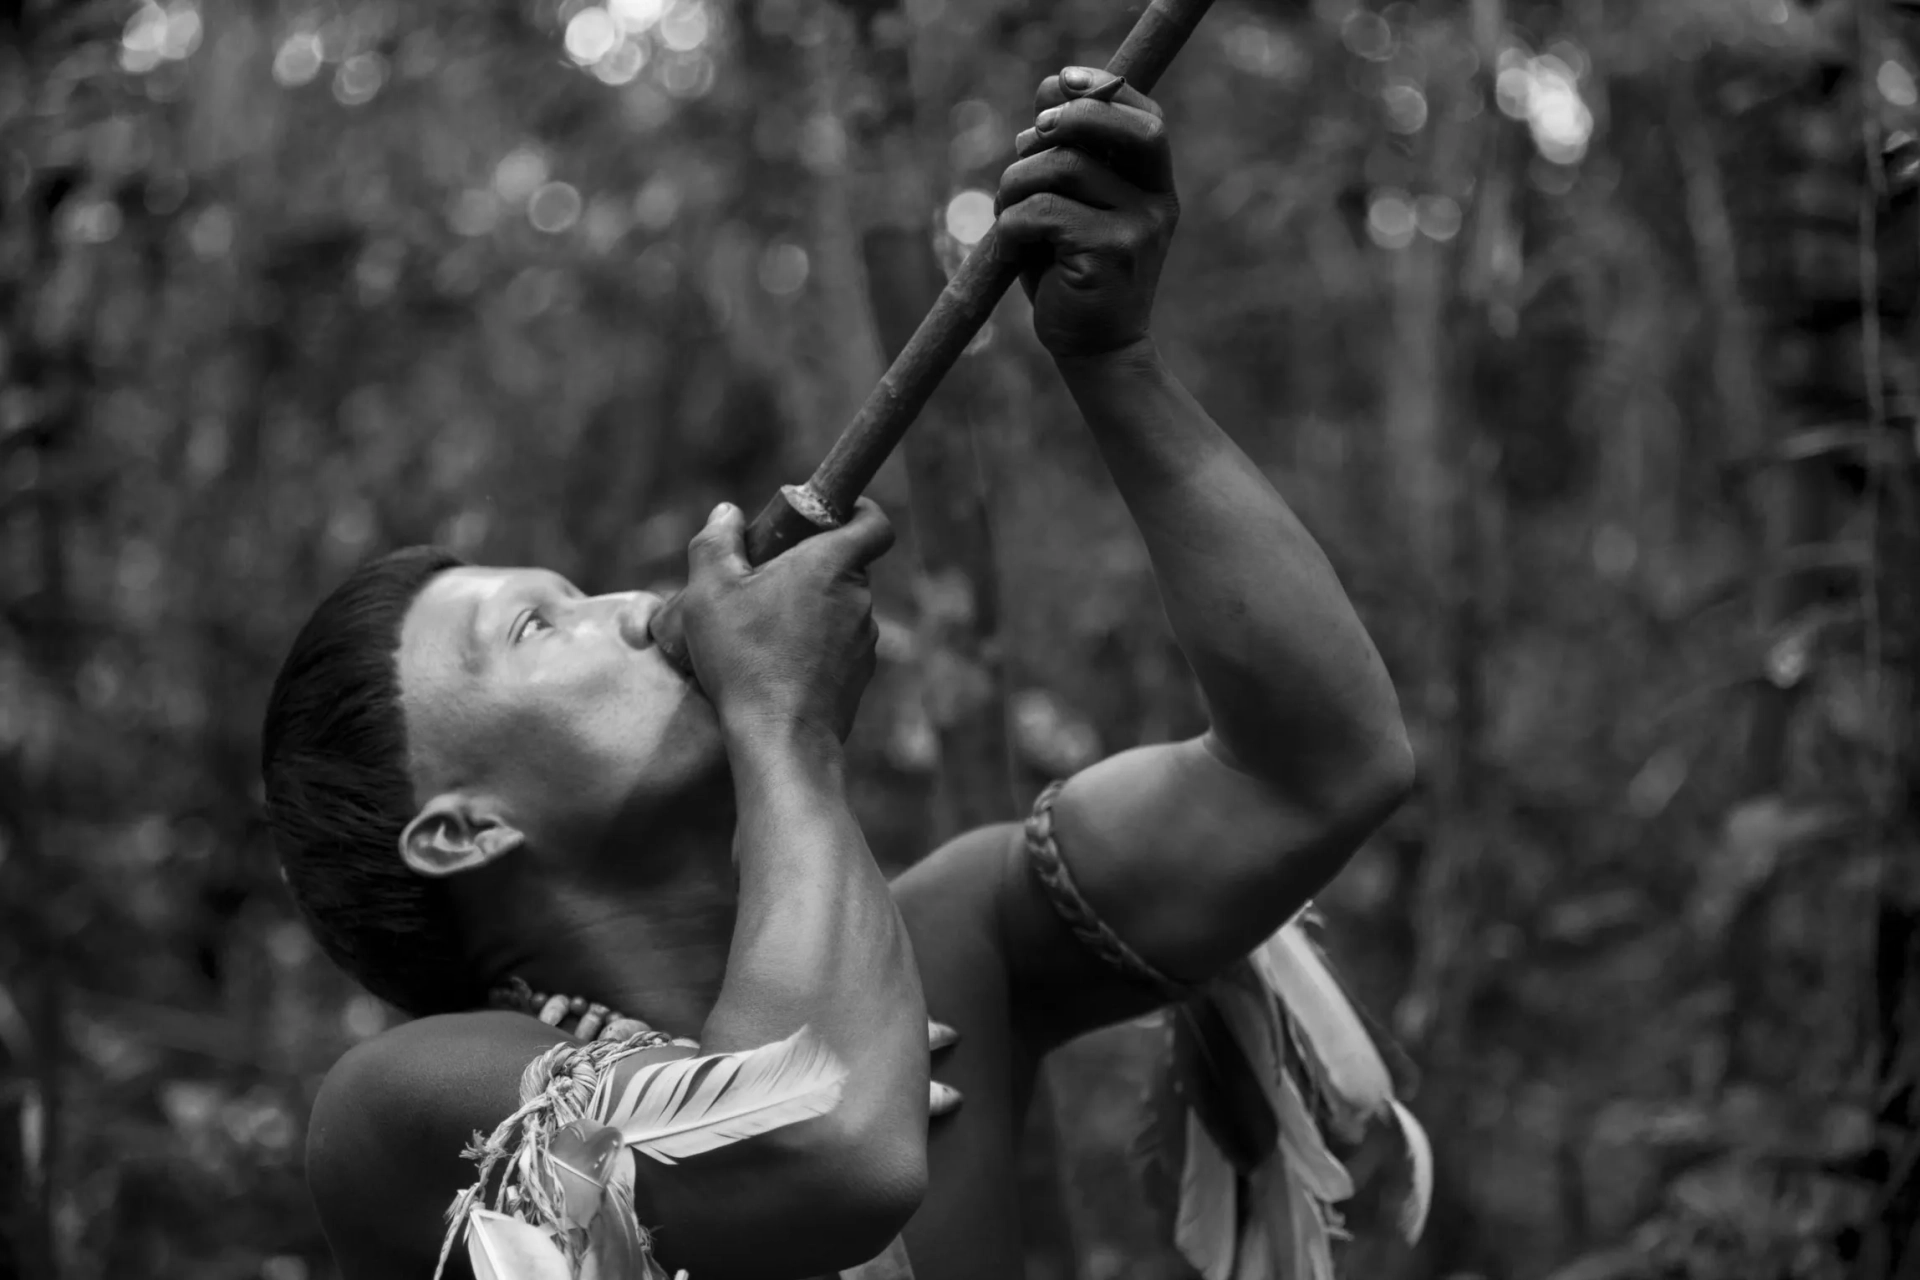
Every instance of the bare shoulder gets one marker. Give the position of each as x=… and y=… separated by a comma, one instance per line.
x=390, y=1122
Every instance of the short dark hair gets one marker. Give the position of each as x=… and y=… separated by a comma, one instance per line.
x=333, y=759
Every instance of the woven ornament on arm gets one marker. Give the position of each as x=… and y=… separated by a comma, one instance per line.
x=1050, y=868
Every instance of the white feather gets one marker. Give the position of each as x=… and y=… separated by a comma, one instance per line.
x=1312, y=1247
x=1413, y=1210
x=673, y=1110
x=1204, y=1229
x=505, y=1248
x=1334, y=1035
x=1254, y=1020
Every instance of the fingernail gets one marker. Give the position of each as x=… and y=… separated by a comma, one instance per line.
x=719, y=511
x=1076, y=77
x=1045, y=121
x=1024, y=144
x=940, y=1035
x=941, y=1098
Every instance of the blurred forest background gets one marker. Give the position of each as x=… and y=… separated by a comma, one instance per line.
x=1581, y=332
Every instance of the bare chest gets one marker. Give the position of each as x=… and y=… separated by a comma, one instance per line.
x=969, y=1223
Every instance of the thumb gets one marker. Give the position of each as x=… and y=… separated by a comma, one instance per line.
x=721, y=547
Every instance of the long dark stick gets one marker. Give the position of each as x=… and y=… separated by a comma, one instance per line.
x=798, y=512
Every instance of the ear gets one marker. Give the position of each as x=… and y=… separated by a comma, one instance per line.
x=452, y=834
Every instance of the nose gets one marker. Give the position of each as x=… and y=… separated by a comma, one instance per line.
x=633, y=612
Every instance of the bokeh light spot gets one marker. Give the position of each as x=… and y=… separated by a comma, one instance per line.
x=1406, y=108
x=685, y=27
x=1438, y=217
x=554, y=207
x=1391, y=221
x=969, y=216
x=636, y=16
x=621, y=65
x=591, y=35
x=1367, y=35
x=784, y=268
x=359, y=79
x=688, y=75
x=298, y=59
x=1896, y=84
x=519, y=174
x=657, y=203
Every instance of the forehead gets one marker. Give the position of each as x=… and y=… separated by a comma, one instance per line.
x=438, y=628
x=440, y=660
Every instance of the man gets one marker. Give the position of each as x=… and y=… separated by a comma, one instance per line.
x=568, y=811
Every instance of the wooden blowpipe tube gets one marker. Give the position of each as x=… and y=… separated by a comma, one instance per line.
x=798, y=512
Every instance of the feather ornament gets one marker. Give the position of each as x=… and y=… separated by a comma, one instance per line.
x=1339, y=1050
x=501, y=1247
x=1257, y=1023
x=1220, y=1084
x=672, y=1110
x=1209, y=1205
x=1413, y=1208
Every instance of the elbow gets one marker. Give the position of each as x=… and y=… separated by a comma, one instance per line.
x=883, y=1179
x=1389, y=775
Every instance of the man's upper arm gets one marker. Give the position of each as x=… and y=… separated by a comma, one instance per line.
x=390, y=1123
x=1191, y=861
x=383, y=1147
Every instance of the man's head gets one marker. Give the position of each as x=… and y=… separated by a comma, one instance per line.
x=434, y=718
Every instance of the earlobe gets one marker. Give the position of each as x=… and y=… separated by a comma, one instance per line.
x=446, y=837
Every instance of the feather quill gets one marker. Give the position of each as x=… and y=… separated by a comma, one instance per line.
x=673, y=1110
x=1209, y=1210
x=1413, y=1209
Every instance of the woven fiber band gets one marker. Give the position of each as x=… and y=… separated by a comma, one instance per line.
x=1043, y=855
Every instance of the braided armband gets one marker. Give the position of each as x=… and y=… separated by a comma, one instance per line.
x=1050, y=868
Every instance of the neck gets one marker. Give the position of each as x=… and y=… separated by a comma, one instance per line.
x=646, y=934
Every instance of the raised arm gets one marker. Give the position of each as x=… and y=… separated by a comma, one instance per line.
x=1191, y=852
x=784, y=652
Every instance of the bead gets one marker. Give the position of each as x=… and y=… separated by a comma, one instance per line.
x=553, y=1010
x=578, y=1004
x=591, y=1021
x=623, y=1028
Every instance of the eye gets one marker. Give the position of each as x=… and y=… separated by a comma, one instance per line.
x=530, y=621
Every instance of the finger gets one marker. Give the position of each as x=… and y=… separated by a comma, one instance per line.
x=864, y=538
x=940, y=1036
x=721, y=547
x=942, y=1099
x=1131, y=142
x=1068, y=172
x=1047, y=222
x=1090, y=82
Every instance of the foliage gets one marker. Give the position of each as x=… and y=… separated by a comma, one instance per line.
x=1582, y=335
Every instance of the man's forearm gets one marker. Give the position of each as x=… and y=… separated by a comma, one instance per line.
x=1295, y=687
x=817, y=939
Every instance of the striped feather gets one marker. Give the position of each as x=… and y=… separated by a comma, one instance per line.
x=673, y=1110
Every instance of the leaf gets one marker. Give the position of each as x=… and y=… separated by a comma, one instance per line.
x=505, y=1248
x=679, y=1109
x=1413, y=1209
x=1204, y=1229
x=1350, y=1063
